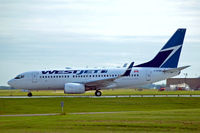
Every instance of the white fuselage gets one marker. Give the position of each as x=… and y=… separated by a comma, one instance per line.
x=56, y=79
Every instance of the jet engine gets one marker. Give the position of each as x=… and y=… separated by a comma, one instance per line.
x=74, y=88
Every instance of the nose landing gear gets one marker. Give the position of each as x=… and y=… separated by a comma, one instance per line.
x=98, y=93
x=29, y=94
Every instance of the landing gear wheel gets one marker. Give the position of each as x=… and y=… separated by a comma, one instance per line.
x=98, y=93
x=29, y=94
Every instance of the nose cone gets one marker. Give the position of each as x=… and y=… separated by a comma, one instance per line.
x=10, y=82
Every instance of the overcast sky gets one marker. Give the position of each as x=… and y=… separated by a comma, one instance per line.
x=49, y=34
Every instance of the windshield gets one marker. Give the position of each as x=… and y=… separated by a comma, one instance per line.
x=19, y=76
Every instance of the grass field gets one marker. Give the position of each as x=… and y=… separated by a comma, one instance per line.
x=145, y=114
x=104, y=92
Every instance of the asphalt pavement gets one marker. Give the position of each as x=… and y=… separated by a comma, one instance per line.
x=113, y=96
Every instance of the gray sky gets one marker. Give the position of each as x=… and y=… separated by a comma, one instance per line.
x=49, y=34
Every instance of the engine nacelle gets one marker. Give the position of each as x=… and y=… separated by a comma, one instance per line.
x=74, y=88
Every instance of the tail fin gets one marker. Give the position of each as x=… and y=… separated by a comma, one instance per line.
x=168, y=56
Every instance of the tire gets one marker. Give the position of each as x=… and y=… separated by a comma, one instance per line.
x=29, y=94
x=98, y=93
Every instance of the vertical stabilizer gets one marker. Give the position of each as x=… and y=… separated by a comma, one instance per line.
x=168, y=56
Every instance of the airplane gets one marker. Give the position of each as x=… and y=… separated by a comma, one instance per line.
x=78, y=81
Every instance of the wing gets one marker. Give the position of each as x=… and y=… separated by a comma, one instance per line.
x=106, y=82
x=100, y=83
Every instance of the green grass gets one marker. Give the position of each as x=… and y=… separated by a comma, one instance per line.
x=104, y=92
x=52, y=105
x=140, y=121
x=154, y=114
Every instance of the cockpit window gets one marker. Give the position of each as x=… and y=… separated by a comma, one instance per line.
x=19, y=76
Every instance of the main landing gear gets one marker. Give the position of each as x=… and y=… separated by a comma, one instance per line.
x=29, y=94
x=98, y=93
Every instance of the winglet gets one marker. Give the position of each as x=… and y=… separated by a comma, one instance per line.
x=128, y=70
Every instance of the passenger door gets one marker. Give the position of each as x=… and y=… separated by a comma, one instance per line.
x=148, y=75
x=34, y=77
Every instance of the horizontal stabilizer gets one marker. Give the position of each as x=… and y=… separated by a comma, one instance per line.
x=175, y=69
